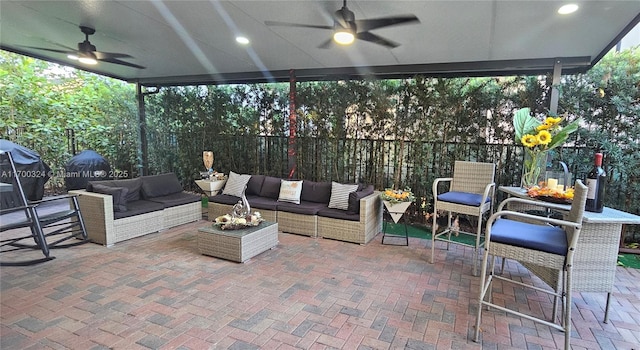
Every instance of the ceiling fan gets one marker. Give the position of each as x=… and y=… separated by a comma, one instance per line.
x=346, y=28
x=87, y=53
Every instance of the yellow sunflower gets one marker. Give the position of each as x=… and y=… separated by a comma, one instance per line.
x=529, y=140
x=544, y=126
x=552, y=121
x=544, y=137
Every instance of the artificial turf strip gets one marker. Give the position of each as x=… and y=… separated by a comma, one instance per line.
x=626, y=260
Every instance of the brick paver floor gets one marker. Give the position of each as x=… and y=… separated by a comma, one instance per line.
x=158, y=292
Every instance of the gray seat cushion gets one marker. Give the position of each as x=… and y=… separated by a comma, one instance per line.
x=307, y=208
x=263, y=203
x=224, y=199
x=176, y=199
x=138, y=207
x=338, y=214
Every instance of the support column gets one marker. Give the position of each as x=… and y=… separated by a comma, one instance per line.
x=143, y=153
x=293, y=124
x=555, y=94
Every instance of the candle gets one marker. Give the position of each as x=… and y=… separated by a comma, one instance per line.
x=552, y=183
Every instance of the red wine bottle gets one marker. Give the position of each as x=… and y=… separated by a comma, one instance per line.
x=595, y=182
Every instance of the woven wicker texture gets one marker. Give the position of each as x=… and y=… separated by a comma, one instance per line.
x=555, y=269
x=594, y=262
x=469, y=177
x=102, y=228
x=237, y=245
x=181, y=214
x=300, y=224
x=362, y=231
x=472, y=177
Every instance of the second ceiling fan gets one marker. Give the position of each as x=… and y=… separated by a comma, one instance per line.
x=346, y=28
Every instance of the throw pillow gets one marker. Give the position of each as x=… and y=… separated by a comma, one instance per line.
x=290, y=191
x=236, y=184
x=118, y=195
x=355, y=197
x=340, y=195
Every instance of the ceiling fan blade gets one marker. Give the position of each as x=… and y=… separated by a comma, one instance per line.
x=120, y=62
x=327, y=44
x=299, y=25
x=374, y=23
x=71, y=51
x=376, y=39
x=105, y=55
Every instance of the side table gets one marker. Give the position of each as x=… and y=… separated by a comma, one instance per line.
x=211, y=187
x=396, y=212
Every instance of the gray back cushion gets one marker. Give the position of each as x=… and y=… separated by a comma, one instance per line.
x=133, y=185
x=317, y=192
x=254, y=186
x=270, y=187
x=160, y=185
x=118, y=195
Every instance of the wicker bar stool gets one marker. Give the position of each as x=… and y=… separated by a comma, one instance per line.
x=471, y=192
x=549, y=243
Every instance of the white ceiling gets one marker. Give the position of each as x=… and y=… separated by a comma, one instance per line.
x=188, y=42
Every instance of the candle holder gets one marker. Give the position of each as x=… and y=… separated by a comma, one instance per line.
x=557, y=179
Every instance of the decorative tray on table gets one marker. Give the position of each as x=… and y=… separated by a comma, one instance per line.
x=551, y=195
x=230, y=222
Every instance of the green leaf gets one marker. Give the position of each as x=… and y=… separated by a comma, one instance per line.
x=563, y=134
x=524, y=123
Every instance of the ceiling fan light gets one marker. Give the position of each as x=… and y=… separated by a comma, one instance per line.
x=87, y=59
x=73, y=57
x=343, y=37
x=567, y=9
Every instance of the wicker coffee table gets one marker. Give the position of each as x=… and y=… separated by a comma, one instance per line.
x=237, y=245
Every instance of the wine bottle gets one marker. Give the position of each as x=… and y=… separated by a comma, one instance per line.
x=595, y=182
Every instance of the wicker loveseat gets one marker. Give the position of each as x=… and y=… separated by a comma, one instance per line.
x=313, y=215
x=117, y=210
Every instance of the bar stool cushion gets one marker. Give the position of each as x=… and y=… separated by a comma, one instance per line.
x=465, y=198
x=550, y=239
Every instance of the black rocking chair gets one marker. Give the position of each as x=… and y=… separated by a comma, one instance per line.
x=64, y=228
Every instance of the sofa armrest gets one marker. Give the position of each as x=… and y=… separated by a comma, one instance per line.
x=371, y=214
x=97, y=212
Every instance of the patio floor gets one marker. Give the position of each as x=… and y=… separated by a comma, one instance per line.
x=158, y=292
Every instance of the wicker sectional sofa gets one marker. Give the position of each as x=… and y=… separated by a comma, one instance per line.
x=117, y=210
x=312, y=216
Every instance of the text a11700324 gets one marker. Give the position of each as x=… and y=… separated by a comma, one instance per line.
x=25, y=174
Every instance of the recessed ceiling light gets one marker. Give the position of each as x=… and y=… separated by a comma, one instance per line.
x=567, y=9
x=242, y=40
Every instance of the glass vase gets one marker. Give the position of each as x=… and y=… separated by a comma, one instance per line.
x=533, y=168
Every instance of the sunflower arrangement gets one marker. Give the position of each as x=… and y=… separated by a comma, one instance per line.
x=538, y=138
x=397, y=196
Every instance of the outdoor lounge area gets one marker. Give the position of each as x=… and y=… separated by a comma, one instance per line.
x=159, y=292
x=479, y=136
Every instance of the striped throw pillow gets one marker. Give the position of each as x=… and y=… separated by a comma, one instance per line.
x=236, y=184
x=340, y=195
